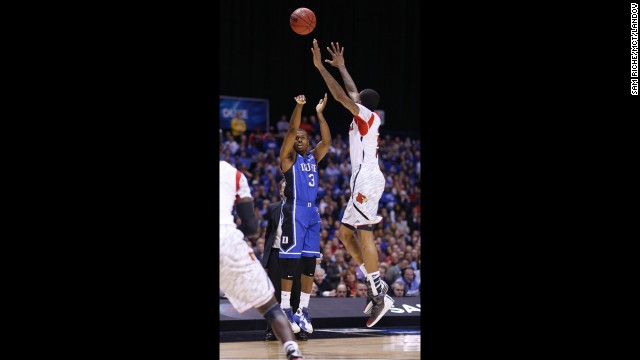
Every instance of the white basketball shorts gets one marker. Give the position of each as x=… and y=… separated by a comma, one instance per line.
x=367, y=186
x=242, y=278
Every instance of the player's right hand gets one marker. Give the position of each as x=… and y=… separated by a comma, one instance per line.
x=300, y=99
x=315, y=50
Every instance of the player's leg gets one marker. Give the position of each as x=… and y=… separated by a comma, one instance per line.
x=280, y=325
x=273, y=266
x=346, y=232
x=296, y=288
x=310, y=232
x=288, y=267
x=290, y=250
x=295, y=299
x=369, y=190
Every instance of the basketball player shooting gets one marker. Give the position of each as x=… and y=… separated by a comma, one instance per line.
x=367, y=181
x=300, y=239
x=242, y=278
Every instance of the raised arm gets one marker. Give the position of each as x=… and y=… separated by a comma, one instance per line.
x=323, y=146
x=286, y=151
x=338, y=61
x=336, y=90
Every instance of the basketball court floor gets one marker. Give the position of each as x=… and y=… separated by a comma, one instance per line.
x=337, y=343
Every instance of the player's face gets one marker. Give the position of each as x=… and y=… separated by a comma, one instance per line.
x=302, y=142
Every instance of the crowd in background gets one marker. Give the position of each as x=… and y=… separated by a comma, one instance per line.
x=397, y=237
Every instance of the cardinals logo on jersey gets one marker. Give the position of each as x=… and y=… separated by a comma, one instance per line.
x=361, y=198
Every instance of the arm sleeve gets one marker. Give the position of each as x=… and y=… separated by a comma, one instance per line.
x=249, y=224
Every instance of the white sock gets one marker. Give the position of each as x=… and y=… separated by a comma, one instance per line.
x=290, y=345
x=304, y=300
x=285, y=297
x=363, y=269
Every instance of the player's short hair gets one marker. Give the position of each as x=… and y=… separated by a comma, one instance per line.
x=369, y=98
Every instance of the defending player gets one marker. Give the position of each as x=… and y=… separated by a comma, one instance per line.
x=367, y=181
x=300, y=239
x=242, y=279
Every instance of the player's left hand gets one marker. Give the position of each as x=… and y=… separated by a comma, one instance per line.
x=321, y=104
x=337, y=54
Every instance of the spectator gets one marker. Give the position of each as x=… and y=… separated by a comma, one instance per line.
x=349, y=279
x=238, y=126
x=323, y=286
x=397, y=289
x=396, y=271
x=335, y=268
x=231, y=144
x=342, y=291
x=361, y=289
x=412, y=285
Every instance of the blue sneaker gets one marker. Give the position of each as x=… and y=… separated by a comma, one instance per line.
x=302, y=318
x=290, y=317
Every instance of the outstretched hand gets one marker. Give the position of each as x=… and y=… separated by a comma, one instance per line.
x=317, y=61
x=321, y=104
x=300, y=99
x=336, y=52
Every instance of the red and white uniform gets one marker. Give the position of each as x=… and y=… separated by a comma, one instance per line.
x=242, y=278
x=367, y=181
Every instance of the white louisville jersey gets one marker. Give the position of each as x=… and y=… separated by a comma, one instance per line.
x=242, y=278
x=233, y=186
x=363, y=138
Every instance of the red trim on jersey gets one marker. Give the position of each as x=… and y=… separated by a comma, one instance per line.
x=238, y=176
x=363, y=127
x=371, y=121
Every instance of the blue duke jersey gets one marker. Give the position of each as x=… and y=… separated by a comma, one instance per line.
x=300, y=218
x=302, y=179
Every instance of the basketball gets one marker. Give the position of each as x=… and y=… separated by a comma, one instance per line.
x=303, y=21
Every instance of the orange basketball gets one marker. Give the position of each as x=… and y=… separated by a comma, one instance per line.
x=302, y=21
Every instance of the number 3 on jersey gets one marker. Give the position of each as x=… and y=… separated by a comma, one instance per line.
x=313, y=180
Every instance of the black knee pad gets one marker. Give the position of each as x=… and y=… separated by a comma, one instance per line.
x=308, y=266
x=273, y=312
x=288, y=268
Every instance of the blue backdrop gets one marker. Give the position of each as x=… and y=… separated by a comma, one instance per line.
x=255, y=112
